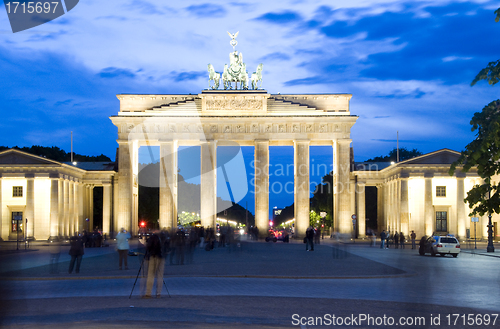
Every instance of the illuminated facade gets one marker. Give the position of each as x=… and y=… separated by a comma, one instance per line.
x=45, y=199
x=418, y=194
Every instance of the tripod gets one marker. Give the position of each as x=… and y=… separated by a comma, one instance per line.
x=137, y=277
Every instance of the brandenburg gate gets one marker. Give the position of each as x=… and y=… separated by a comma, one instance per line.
x=248, y=117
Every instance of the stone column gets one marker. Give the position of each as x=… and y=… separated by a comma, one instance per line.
x=460, y=208
x=261, y=162
x=342, y=184
x=30, y=206
x=76, y=208
x=380, y=208
x=208, y=184
x=404, y=210
x=106, y=208
x=124, y=206
x=54, y=207
x=60, y=220
x=353, y=208
x=335, y=178
x=360, y=192
x=71, y=209
x=168, y=184
x=428, y=208
x=86, y=222
x=65, y=215
x=301, y=186
x=91, y=207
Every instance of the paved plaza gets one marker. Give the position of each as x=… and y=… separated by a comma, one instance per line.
x=259, y=285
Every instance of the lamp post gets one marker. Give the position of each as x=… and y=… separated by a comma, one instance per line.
x=490, y=247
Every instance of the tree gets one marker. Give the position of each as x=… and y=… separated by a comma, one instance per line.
x=56, y=154
x=492, y=71
x=484, y=151
x=404, y=154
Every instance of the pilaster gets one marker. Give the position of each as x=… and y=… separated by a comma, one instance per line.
x=261, y=165
x=124, y=186
x=460, y=207
x=301, y=185
x=208, y=211
x=106, y=208
x=54, y=208
x=168, y=184
x=360, y=192
x=404, y=210
x=428, y=208
x=342, y=184
x=30, y=206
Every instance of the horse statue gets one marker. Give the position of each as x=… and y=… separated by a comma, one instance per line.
x=213, y=76
x=235, y=72
x=256, y=77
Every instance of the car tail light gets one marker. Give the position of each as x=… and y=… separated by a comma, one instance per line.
x=439, y=245
x=457, y=246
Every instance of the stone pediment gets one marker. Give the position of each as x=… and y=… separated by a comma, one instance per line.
x=444, y=157
x=16, y=157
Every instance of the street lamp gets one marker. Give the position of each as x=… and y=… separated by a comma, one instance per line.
x=490, y=247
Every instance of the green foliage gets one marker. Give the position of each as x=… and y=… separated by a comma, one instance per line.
x=56, y=154
x=314, y=219
x=322, y=199
x=490, y=73
x=484, y=153
x=188, y=218
x=404, y=154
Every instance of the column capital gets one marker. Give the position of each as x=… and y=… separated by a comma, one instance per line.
x=301, y=141
x=428, y=175
x=344, y=141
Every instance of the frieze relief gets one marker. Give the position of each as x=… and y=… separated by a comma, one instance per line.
x=234, y=104
x=239, y=128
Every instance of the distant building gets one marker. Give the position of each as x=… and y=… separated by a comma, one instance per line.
x=55, y=198
x=418, y=194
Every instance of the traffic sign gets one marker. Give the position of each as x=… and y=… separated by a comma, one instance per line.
x=353, y=216
x=474, y=219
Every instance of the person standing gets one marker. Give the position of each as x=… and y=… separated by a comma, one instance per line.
x=309, y=238
x=413, y=236
x=122, y=247
x=402, y=240
x=382, y=239
x=156, y=265
x=396, y=240
x=76, y=252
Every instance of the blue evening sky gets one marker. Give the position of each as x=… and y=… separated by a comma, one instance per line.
x=408, y=64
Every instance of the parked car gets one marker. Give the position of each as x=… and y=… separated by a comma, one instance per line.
x=441, y=245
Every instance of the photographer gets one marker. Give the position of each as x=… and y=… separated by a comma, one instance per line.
x=156, y=265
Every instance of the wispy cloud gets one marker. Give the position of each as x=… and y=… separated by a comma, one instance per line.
x=207, y=10
x=113, y=72
x=183, y=76
x=284, y=17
